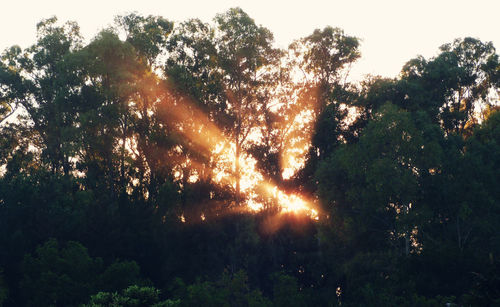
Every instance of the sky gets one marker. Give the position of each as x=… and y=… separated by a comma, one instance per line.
x=392, y=31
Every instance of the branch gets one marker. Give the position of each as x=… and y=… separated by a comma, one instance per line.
x=13, y=110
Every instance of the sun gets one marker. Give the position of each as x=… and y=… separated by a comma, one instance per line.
x=291, y=203
x=296, y=204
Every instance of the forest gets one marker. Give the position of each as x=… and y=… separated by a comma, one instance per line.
x=197, y=164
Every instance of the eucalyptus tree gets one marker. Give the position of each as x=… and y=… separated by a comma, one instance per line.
x=245, y=57
x=456, y=85
x=109, y=68
x=324, y=59
x=43, y=80
x=475, y=62
x=226, y=72
x=151, y=138
x=11, y=83
x=279, y=127
x=193, y=87
x=195, y=108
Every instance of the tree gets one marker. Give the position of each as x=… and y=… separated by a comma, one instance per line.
x=67, y=275
x=458, y=82
x=377, y=179
x=132, y=145
x=228, y=290
x=59, y=276
x=150, y=133
x=245, y=56
x=285, y=291
x=133, y=296
x=12, y=83
x=43, y=80
x=194, y=90
x=324, y=58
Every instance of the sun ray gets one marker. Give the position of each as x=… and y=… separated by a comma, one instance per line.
x=206, y=136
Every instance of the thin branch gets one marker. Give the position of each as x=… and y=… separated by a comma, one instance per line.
x=13, y=110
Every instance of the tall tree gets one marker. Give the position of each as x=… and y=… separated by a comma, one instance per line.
x=43, y=79
x=377, y=179
x=194, y=90
x=324, y=57
x=457, y=84
x=244, y=55
x=151, y=136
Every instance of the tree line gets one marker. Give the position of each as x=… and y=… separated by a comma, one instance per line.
x=123, y=164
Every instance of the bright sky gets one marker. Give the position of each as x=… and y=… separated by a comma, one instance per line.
x=393, y=31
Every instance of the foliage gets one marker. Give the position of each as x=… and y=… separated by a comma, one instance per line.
x=67, y=275
x=131, y=297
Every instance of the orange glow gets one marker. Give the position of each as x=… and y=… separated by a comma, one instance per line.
x=293, y=160
x=292, y=203
x=211, y=141
x=225, y=166
x=254, y=206
x=297, y=140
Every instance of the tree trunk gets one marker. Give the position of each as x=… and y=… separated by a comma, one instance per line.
x=237, y=174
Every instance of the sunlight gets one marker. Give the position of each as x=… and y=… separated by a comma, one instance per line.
x=292, y=203
x=254, y=205
x=297, y=141
x=293, y=161
x=252, y=180
x=295, y=204
x=249, y=176
x=207, y=137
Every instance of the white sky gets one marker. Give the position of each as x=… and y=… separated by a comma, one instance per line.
x=393, y=31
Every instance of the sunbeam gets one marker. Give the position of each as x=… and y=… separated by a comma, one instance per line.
x=206, y=136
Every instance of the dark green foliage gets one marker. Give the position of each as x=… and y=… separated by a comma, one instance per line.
x=286, y=291
x=57, y=276
x=133, y=296
x=66, y=276
x=229, y=290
